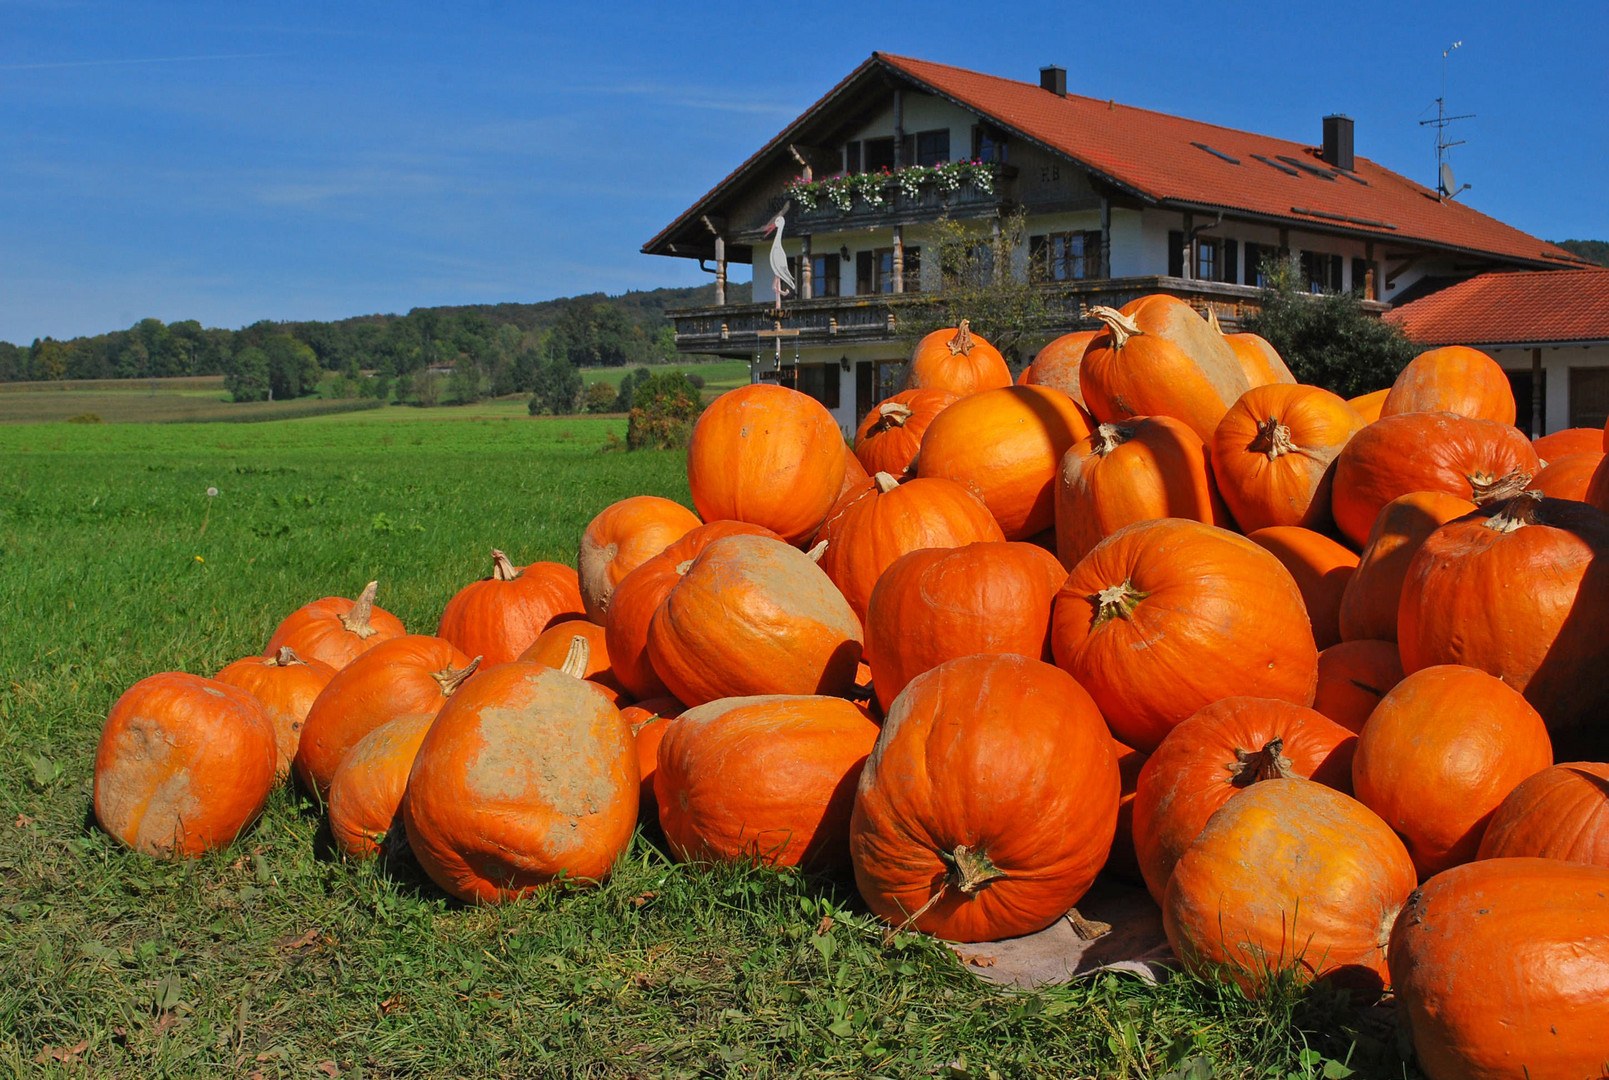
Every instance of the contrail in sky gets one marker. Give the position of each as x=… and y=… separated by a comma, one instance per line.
x=137, y=60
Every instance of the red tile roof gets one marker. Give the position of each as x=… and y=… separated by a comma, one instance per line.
x=1518, y=308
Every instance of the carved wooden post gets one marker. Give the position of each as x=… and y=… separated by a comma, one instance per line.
x=720, y=271
x=806, y=282
x=899, y=258
x=1189, y=259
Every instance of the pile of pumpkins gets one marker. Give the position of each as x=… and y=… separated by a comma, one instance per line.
x=1301, y=666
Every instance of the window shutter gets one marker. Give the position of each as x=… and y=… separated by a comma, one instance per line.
x=864, y=387
x=1334, y=283
x=1231, y=271
x=1176, y=254
x=829, y=385
x=863, y=272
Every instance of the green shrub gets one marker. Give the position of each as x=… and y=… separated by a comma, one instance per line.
x=663, y=412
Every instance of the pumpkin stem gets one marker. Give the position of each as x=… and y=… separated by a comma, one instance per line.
x=451, y=679
x=1120, y=326
x=892, y=414
x=961, y=344
x=1273, y=438
x=970, y=870
x=1212, y=320
x=1269, y=763
x=1516, y=512
x=885, y=483
x=1490, y=490
x=356, y=621
x=502, y=569
x=820, y=549
x=285, y=657
x=1117, y=602
x=576, y=660
x=1087, y=929
x=1109, y=437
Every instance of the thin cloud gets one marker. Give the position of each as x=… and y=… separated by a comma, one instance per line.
x=692, y=98
x=135, y=60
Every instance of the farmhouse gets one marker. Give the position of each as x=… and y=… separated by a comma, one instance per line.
x=1117, y=201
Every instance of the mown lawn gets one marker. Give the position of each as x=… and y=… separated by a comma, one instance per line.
x=276, y=958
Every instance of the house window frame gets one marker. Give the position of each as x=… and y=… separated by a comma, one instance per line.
x=931, y=154
x=826, y=274
x=1069, y=255
x=989, y=144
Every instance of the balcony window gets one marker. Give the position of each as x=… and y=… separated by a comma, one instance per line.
x=1065, y=256
x=874, y=271
x=1260, y=262
x=852, y=157
x=933, y=147
x=1321, y=273
x=824, y=275
x=877, y=154
x=819, y=381
x=988, y=144
x=1209, y=260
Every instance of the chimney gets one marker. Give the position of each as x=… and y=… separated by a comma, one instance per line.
x=1054, y=79
x=1338, y=141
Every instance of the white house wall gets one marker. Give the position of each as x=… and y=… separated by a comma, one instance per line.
x=1557, y=362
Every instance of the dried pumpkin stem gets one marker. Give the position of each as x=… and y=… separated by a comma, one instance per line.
x=970, y=870
x=961, y=344
x=885, y=483
x=285, y=657
x=892, y=414
x=1490, y=490
x=1109, y=437
x=1212, y=320
x=1087, y=929
x=1120, y=326
x=1273, y=439
x=1516, y=513
x=820, y=549
x=452, y=678
x=502, y=568
x=356, y=621
x=1269, y=763
x=576, y=660
x=1117, y=602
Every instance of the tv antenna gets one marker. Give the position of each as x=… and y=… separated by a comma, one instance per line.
x=1446, y=185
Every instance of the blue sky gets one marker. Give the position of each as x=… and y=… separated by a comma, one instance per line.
x=231, y=162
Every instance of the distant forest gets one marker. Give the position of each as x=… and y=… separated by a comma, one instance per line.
x=1596, y=250
x=475, y=350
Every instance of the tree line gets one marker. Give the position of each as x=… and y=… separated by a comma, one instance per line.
x=428, y=355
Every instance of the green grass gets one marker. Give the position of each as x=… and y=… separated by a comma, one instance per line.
x=718, y=375
x=276, y=957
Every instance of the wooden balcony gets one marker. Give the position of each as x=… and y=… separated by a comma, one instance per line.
x=734, y=330
x=929, y=204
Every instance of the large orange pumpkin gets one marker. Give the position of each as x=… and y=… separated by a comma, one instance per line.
x=884, y=519
x=1352, y=678
x=1321, y=567
x=1568, y=477
x=751, y=616
x=1164, y=617
x=1501, y=971
x=1576, y=440
x=956, y=360
x=769, y=456
x=366, y=791
x=1289, y=875
x=939, y=604
x=989, y=802
x=554, y=648
x=1473, y=459
x=1520, y=590
x=1369, y=405
x=648, y=721
x=1259, y=360
x=497, y=618
x=1056, y=365
x=1561, y=812
x=639, y=595
x=1157, y=357
x=1005, y=446
x=184, y=764
x=1374, y=591
x=621, y=538
x=336, y=630
x=1598, y=487
x=1273, y=450
x=767, y=778
x=891, y=432
x=1443, y=748
x=527, y=775
x=285, y=685
x=1122, y=862
x=407, y=676
x=1135, y=470
x=1454, y=379
x=1215, y=755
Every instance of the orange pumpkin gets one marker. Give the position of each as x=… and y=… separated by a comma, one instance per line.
x=285, y=685
x=621, y=538
x=1259, y=360
x=1122, y=862
x=1289, y=875
x=1322, y=568
x=1453, y=379
x=336, y=630
x=648, y=721
x=1005, y=446
x=767, y=455
x=1519, y=589
x=1598, y=488
x=1273, y=452
x=499, y=617
x=1056, y=365
x=528, y=775
x=1576, y=440
x=884, y=519
x=1368, y=405
x=366, y=791
x=939, y=604
x=891, y=433
x=989, y=802
x=407, y=676
x=1442, y=749
x=639, y=595
x=1373, y=593
x=1352, y=678
x=1501, y=969
x=184, y=764
x=554, y=646
x=1561, y=812
x=956, y=360
x=752, y=615
x=1157, y=357
x=1164, y=617
x=765, y=778
x=1473, y=459
x=1137, y=470
x=1214, y=756
x=1568, y=477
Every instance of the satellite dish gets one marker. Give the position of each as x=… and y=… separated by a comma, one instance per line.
x=1448, y=185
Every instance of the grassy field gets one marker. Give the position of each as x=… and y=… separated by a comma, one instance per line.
x=720, y=375
x=275, y=958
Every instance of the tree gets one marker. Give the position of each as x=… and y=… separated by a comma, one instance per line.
x=557, y=390
x=49, y=358
x=246, y=378
x=293, y=369
x=600, y=397
x=466, y=385
x=665, y=409
x=1328, y=340
x=628, y=388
